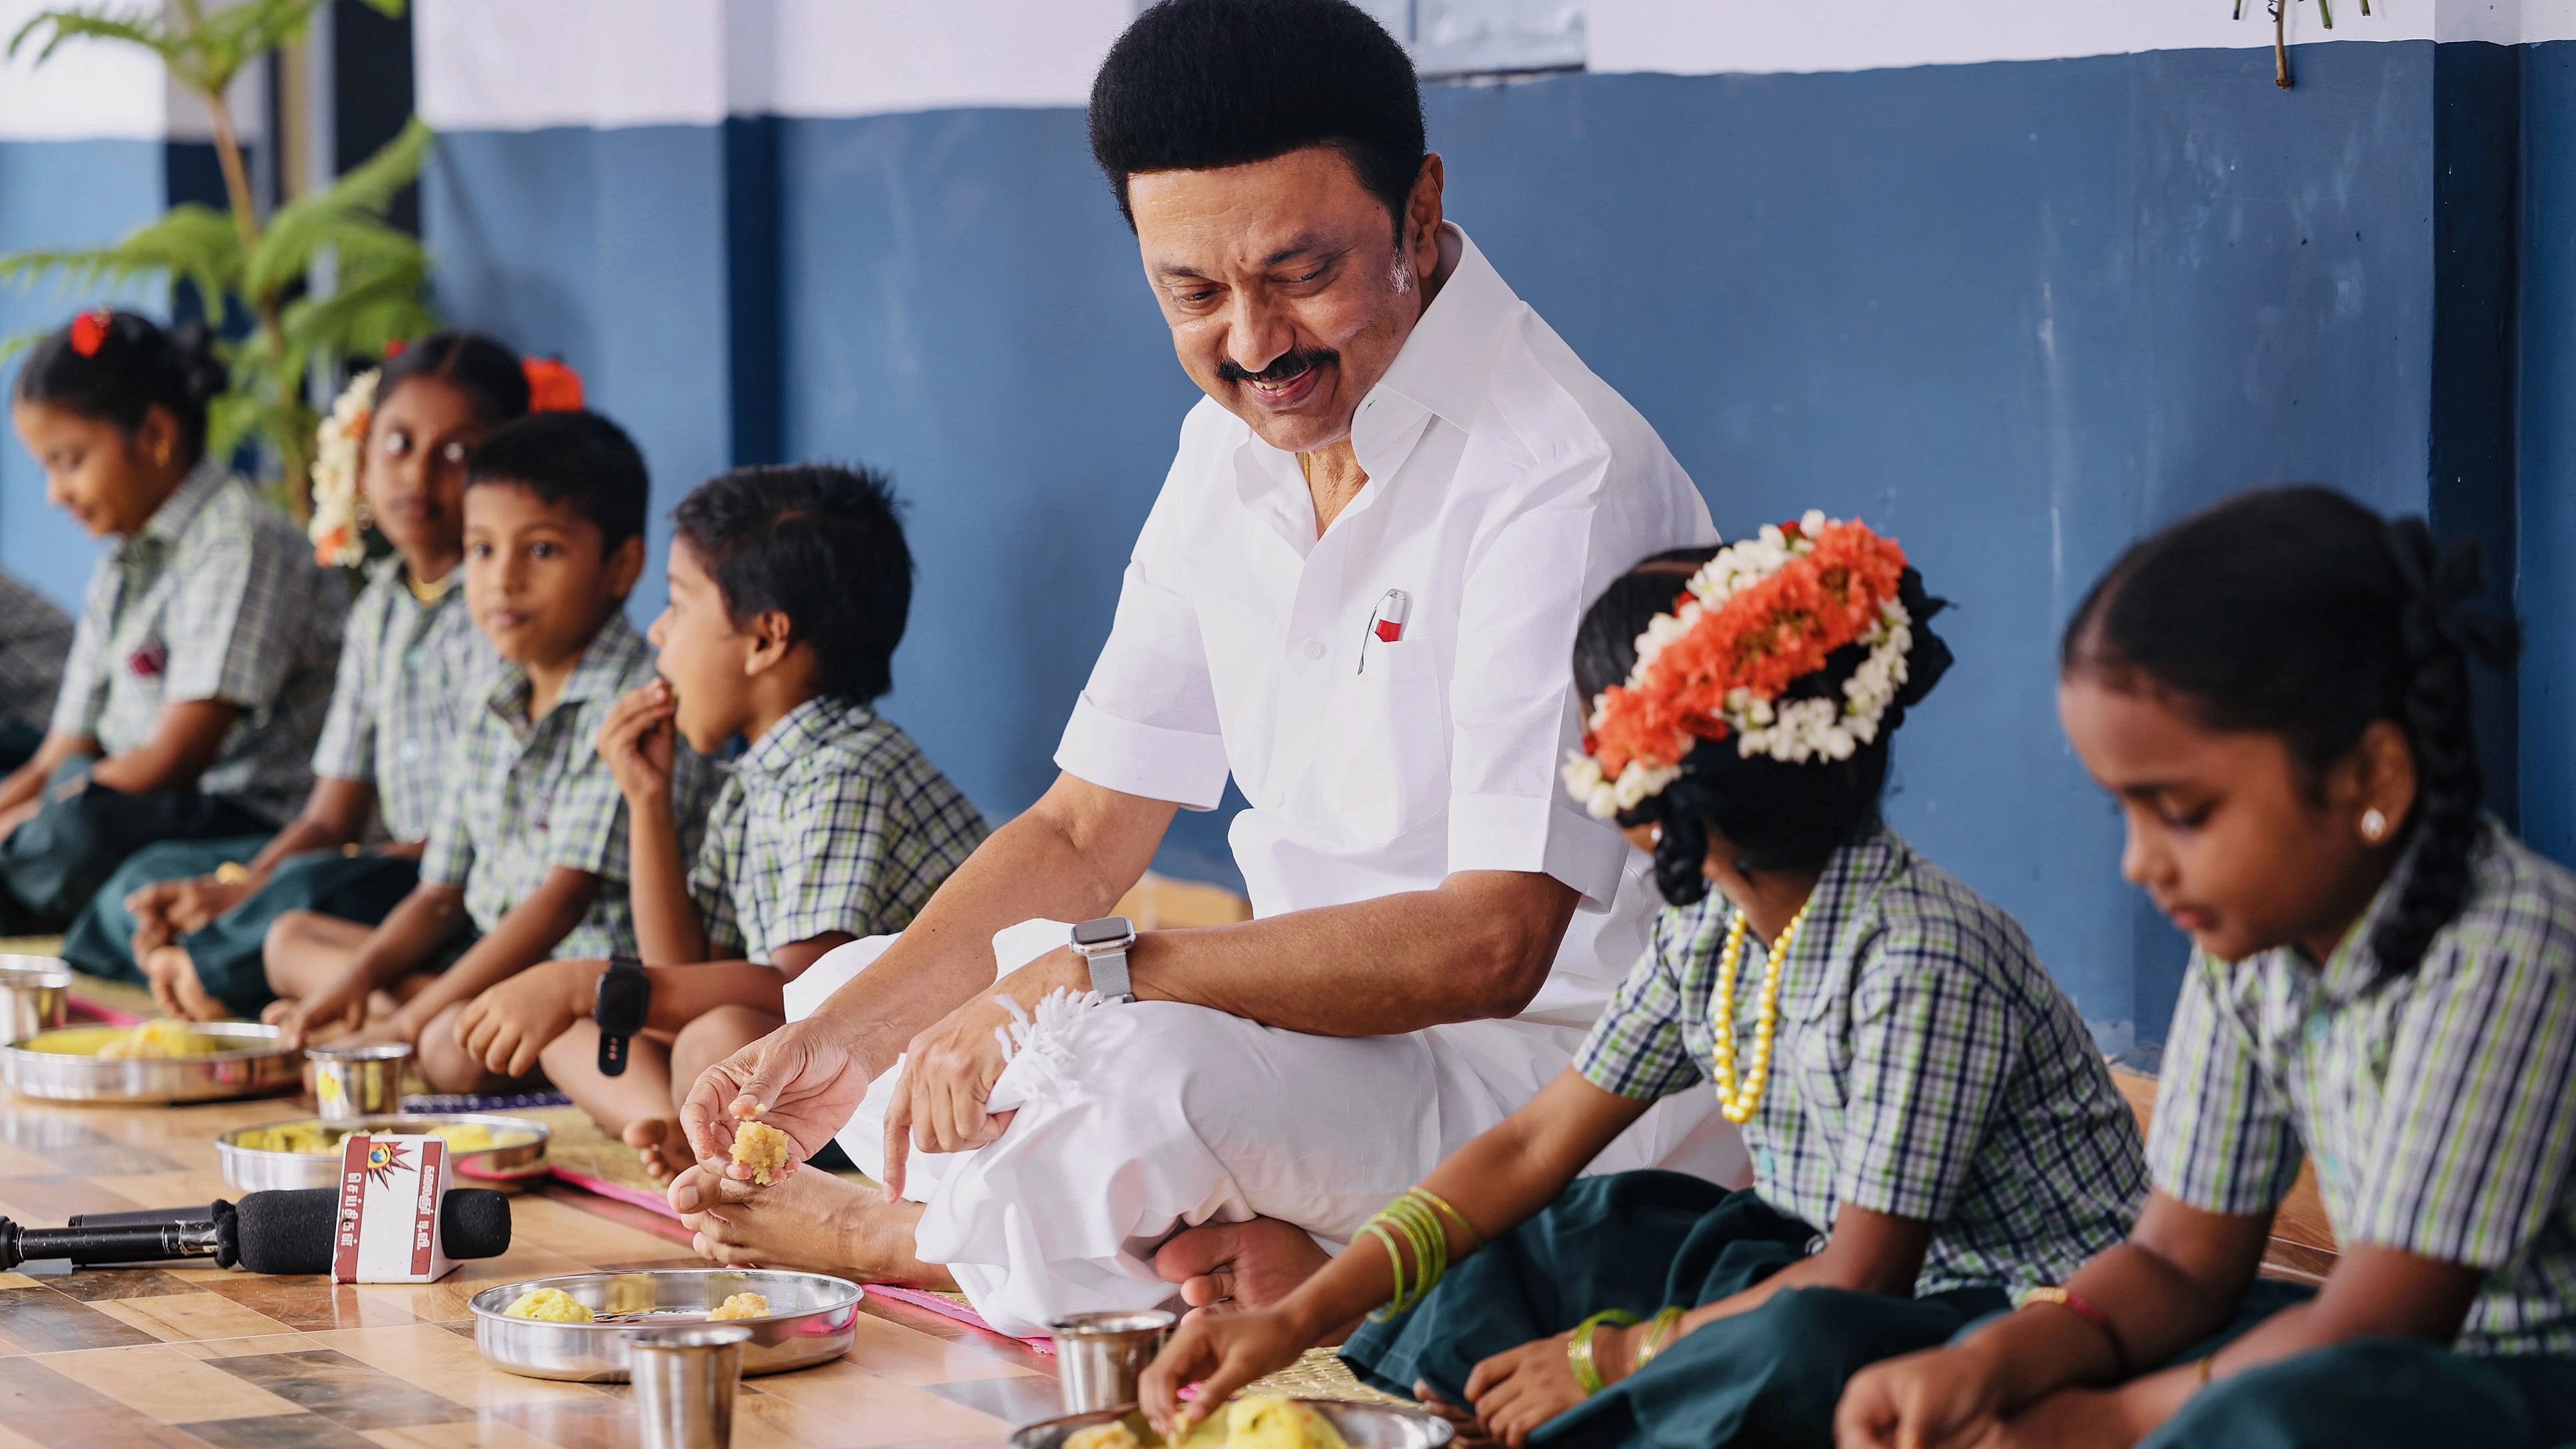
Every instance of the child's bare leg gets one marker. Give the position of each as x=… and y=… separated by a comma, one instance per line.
x=701, y=1044
x=447, y=1067
x=624, y=1105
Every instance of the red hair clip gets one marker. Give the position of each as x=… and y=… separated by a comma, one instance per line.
x=395, y=348
x=552, y=386
x=89, y=331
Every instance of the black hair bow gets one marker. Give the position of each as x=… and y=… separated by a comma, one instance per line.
x=2441, y=585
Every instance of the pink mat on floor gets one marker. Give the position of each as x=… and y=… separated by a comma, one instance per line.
x=945, y=1307
x=83, y=1006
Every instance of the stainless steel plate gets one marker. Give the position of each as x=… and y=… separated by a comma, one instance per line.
x=254, y=1068
x=259, y=1169
x=1363, y=1426
x=811, y=1320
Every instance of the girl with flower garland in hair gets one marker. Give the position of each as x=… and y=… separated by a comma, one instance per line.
x=190, y=918
x=2276, y=691
x=1931, y=1129
x=201, y=666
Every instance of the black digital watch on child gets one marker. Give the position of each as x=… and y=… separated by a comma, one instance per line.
x=625, y=999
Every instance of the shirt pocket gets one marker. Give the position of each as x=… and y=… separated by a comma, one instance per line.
x=1383, y=765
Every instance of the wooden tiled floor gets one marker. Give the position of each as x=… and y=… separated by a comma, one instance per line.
x=197, y=1356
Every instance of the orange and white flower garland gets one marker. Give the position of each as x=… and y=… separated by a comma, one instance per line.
x=338, y=527
x=1753, y=620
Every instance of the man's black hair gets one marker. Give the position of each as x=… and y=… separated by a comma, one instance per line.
x=579, y=458
x=1199, y=84
x=819, y=543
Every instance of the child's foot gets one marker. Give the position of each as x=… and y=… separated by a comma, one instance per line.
x=175, y=987
x=1251, y=1265
x=657, y=1140
x=806, y=1220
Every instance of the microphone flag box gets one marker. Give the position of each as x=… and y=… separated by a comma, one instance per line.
x=390, y=1189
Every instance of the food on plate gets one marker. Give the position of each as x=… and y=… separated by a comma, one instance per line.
x=547, y=1305
x=762, y=1148
x=1113, y=1435
x=165, y=1038
x=1276, y=1423
x=741, y=1305
x=320, y=1138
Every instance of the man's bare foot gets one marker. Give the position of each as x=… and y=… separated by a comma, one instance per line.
x=657, y=1140
x=1247, y=1265
x=806, y=1220
x=1462, y=1422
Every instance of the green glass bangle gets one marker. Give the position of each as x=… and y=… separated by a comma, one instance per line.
x=1659, y=1334
x=1578, y=1349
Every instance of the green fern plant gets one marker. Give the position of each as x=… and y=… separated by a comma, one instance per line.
x=378, y=272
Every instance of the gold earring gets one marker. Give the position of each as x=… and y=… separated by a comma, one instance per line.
x=161, y=454
x=2374, y=825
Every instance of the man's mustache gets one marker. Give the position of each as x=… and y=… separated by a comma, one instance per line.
x=1287, y=367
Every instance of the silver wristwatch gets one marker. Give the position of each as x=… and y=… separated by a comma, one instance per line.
x=1103, y=943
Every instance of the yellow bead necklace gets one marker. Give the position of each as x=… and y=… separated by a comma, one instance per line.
x=1738, y=1104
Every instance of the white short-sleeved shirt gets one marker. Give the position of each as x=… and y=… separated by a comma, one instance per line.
x=1507, y=487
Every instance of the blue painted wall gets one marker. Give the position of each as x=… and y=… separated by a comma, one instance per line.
x=2016, y=313
x=2545, y=586
x=58, y=194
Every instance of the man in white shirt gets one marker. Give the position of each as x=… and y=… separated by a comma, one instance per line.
x=1357, y=594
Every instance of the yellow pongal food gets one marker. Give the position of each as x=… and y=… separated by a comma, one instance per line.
x=762, y=1148
x=741, y=1305
x=547, y=1305
x=320, y=1138
x=1112, y=1435
x=1275, y=1423
x=167, y=1037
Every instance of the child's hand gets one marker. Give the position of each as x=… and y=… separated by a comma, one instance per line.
x=1935, y=1399
x=342, y=1004
x=175, y=987
x=637, y=740
x=510, y=1023
x=1521, y=1388
x=1221, y=1352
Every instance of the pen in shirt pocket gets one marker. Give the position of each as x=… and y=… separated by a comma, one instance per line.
x=1385, y=624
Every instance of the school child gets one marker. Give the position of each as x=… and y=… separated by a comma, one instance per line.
x=789, y=587
x=189, y=917
x=1930, y=1127
x=35, y=637
x=527, y=855
x=2276, y=692
x=201, y=667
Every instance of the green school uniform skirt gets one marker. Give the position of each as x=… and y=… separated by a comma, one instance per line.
x=1644, y=1241
x=227, y=953
x=51, y=865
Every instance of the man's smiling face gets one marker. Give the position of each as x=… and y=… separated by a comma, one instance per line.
x=1286, y=291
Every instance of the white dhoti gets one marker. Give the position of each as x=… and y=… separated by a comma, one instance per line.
x=1162, y=1117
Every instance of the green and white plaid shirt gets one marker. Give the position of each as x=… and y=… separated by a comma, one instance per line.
x=1925, y=1067
x=404, y=670
x=2436, y=1104
x=35, y=639
x=522, y=798
x=216, y=597
x=834, y=820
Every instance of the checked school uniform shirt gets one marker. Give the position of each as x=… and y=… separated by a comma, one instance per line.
x=1925, y=1066
x=2435, y=1103
x=524, y=797
x=35, y=638
x=834, y=820
x=403, y=671
x=216, y=597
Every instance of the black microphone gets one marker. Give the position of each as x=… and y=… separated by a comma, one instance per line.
x=293, y=1231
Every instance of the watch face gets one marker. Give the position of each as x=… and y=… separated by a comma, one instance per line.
x=1103, y=931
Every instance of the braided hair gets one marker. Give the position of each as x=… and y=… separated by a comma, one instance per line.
x=1778, y=814
x=119, y=366
x=2301, y=613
